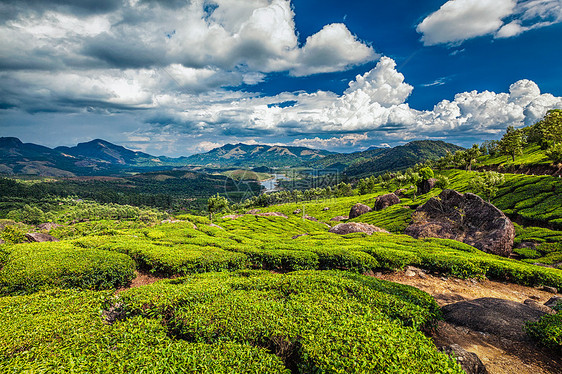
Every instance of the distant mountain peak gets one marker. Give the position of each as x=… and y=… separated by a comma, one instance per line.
x=10, y=142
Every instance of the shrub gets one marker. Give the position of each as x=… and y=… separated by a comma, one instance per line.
x=31, y=267
x=548, y=330
x=315, y=321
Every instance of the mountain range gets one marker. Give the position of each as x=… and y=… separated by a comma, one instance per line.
x=99, y=157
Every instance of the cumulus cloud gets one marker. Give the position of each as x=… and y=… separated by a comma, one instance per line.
x=460, y=20
x=242, y=37
x=331, y=143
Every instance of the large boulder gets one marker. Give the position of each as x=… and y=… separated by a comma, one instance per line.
x=503, y=318
x=350, y=227
x=47, y=226
x=469, y=361
x=358, y=209
x=40, y=237
x=384, y=201
x=426, y=185
x=466, y=218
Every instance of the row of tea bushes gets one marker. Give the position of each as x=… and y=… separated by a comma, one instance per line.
x=34, y=266
x=329, y=322
x=62, y=331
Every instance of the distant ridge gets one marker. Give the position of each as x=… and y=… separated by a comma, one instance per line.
x=245, y=155
x=376, y=161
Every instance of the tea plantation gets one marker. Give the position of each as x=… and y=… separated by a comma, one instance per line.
x=257, y=294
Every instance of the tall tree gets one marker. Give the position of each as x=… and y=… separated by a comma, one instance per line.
x=511, y=144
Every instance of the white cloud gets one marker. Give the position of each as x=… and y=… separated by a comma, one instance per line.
x=206, y=146
x=245, y=37
x=333, y=48
x=333, y=142
x=460, y=20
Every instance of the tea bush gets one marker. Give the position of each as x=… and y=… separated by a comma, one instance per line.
x=34, y=266
x=315, y=321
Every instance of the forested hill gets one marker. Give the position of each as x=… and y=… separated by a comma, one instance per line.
x=97, y=157
x=244, y=155
x=379, y=160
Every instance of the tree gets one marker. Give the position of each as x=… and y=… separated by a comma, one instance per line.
x=511, y=144
x=216, y=203
x=550, y=127
x=426, y=173
x=459, y=158
x=470, y=156
x=555, y=153
x=414, y=179
x=487, y=184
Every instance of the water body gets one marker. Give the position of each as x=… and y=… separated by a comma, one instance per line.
x=272, y=184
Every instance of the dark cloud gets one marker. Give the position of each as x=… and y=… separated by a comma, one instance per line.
x=123, y=52
x=14, y=8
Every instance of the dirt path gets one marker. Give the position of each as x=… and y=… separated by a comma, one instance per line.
x=500, y=355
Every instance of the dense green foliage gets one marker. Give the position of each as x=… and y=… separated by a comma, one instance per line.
x=548, y=330
x=316, y=322
x=35, y=266
x=61, y=331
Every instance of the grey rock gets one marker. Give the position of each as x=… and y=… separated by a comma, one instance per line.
x=550, y=289
x=351, y=227
x=543, y=308
x=503, y=318
x=339, y=218
x=358, y=210
x=385, y=201
x=39, y=237
x=427, y=185
x=469, y=361
x=553, y=301
x=466, y=218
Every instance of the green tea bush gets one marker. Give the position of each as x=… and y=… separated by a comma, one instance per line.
x=61, y=331
x=547, y=330
x=314, y=321
x=34, y=266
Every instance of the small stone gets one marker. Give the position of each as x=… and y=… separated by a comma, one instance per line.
x=410, y=273
x=553, y=301
x=326, y=208
x=550, y=289
x=297, y=211
x=535, y=297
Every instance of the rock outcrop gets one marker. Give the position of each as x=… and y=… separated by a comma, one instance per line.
x=466, y=218
x=339, y=218
x=47, y=226
x=400, y=192
x=272, y=214
x=426, y=185
x=350, y=227
x=39, y=237
x=503, y=318
x=384, y=201
x=469, y=361
x=359, y=209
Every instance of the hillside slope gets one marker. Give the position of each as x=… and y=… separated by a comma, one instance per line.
x=244, y=155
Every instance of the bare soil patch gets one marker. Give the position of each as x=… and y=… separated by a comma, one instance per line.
x=500, y=355
x=142, y=278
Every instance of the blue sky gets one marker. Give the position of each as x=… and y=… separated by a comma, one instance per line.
x=174, y=77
